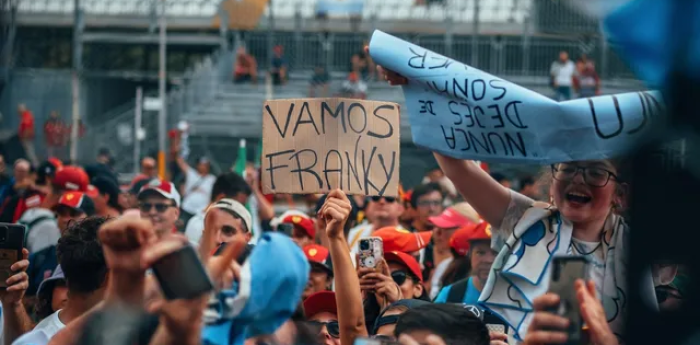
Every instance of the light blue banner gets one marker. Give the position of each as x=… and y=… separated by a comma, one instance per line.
x=462, y=112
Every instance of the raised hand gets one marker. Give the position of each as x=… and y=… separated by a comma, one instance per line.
x=124, y=240
x=593, y=314
x=335, y=213
x=392, y=77
x=18, y=283
x=386, y=290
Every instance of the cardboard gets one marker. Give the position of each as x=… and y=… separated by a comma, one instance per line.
x=318, y=144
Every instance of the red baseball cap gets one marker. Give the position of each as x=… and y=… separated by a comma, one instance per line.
x=405, y=260
x=78, y=201
x=462, y=238
x=455, y=216
x=319, y=256
x=92, y=191
x=303, y=223
x=400, y=240
x=163, y=188
x=71, y=178
x=322, y=301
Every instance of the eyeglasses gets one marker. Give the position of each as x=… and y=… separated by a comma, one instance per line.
x=146, y=207
x=331, y=326
x=399, y=277
x=388, y=199
x=594, y=177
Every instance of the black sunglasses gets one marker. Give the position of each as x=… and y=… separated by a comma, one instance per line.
x=146, y=207
x=331, y=326
x=388, y=199
x=399, y=277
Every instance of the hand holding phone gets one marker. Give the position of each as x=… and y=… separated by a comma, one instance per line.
x=371, y=251
x=11, y=244
x=181, y=275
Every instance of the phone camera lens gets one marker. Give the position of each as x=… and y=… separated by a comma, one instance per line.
x=364, y=245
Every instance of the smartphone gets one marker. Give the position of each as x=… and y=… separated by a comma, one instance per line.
x=11, y=244
x=285, y=228
x=181, y=275
x=565, y=271
x=371, y=251
x=494, y=323
x=378, y=340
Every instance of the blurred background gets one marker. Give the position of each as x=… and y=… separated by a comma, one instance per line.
x=104, y=51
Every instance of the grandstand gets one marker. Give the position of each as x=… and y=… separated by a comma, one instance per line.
x=515, y=39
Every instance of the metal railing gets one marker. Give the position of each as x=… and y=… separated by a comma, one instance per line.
x=198, y=86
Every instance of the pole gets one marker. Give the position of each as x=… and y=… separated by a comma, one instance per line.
x=475, y=34
x=162, y=114
x=138, y=109
x=75, y=81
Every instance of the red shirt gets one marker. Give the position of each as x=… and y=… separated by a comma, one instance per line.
x=26, y=126
x=54, y=132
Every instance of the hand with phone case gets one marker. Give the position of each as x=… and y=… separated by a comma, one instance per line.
x=549, y=328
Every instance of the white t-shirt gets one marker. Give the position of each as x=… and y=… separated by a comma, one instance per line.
x=195, y=228
x=43, y=332
x=197, y=192
x=563, y=73
x=437, y=276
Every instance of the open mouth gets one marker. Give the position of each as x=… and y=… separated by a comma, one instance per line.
x=578, y=198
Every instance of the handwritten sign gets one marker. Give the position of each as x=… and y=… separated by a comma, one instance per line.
x=460, y=111
x=316, y=145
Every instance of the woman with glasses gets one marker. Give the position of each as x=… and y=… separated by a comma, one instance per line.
x=582, y=219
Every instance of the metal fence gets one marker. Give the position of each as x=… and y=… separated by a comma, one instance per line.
x=499, y=55
x=118, y=132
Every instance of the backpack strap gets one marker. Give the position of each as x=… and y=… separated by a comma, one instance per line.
x=30, y=225
x=457, y=291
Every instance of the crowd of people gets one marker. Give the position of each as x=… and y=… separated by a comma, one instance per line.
x=569, y=79
x=465, y=256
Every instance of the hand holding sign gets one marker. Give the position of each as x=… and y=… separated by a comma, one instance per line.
x=316, y=145
x=462, y=112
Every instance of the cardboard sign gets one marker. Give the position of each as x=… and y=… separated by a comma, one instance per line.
x=462, y=112
x=316, y=145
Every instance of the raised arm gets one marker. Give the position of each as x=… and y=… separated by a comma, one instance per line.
x=351, y=318
x=16, y=321
x=488, y=197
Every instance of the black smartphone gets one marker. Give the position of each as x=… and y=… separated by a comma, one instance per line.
x=285, y=228
x=565, y=271
x=181, y=275
x=11, y=244
x=494, y=323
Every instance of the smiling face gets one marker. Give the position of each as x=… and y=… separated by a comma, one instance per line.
x=580, y=201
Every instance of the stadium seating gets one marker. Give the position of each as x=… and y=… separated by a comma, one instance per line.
x=394, y=10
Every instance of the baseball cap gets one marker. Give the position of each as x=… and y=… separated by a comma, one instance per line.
x=92, y=191
x=322, y=301
x=106, y=186
x=137, y=184
x=400, y=240
x=236, y=209
x=455, y=216
x=49, y=282
x=319, y=256
x=71, y=178
x=163, y=188
x=405, y=260
x=462, y=238
x=303, y=223
x=77, y=201
x=47, y=170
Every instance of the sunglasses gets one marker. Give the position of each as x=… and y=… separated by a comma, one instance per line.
x=146, y=207
x=399, y=277
x=332, y=327
x=388, y=199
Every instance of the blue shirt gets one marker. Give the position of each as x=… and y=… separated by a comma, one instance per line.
x=471, y=296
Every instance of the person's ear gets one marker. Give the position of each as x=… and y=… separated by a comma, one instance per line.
x=177, y=212
x=248, y=236
x=417, y=290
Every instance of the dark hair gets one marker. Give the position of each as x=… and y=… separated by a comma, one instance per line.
x=458, y=269
x=42, y=308
x=526, y=181
x=107, y=186
x=425, y=189
x=229, y=184
x=498, y=177
x=81, y=257
x=455, y=324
